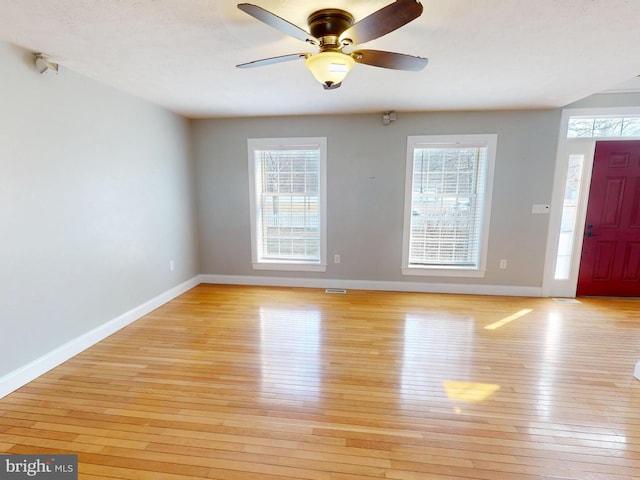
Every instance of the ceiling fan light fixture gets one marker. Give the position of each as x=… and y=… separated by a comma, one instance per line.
x=330, y=68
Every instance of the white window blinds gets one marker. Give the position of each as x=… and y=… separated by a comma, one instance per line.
x=447, y=205
x=288, y=203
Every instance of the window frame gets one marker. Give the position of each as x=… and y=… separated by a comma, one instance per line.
x=288, y=143
x=488, y=141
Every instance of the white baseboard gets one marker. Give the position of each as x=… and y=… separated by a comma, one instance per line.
x=23, y=375
x=422, y=287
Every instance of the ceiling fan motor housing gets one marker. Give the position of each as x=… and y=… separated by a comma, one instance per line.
x=327, y=25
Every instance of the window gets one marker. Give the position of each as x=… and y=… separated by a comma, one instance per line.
x=287, y=191
x=603, y=126
x=568, y=223
x=447, y=204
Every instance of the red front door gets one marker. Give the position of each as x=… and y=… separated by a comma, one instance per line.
x=610, y=262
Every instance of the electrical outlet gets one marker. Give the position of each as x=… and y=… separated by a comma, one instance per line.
x=172, y=266
x=336, y=258
x=503, y=264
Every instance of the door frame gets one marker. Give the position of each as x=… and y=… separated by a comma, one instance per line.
x=552, y=287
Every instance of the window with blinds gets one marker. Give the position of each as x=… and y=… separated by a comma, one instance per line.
x=288, y=202
x=447, y=203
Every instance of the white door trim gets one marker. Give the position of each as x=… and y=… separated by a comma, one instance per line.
x=551, y=287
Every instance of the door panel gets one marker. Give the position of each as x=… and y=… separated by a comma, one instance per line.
x=634, y=221
x=612, y=202
x=610, y=262
x=631, y=269
x=603, y=262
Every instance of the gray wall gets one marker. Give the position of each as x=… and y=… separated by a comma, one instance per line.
x=96, y=197
x=366, y=177
x=608, y=100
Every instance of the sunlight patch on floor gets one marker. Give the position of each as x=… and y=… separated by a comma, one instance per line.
x=469, y=391
x=508, y=319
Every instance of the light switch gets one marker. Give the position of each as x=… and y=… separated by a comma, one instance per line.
x=540, y=209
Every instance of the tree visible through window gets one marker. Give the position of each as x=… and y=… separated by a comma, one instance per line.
x=288, y=201
x=603, y=126
x=447, y=202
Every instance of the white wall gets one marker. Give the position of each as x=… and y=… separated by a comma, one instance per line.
x=366, y=179
x=96, y=197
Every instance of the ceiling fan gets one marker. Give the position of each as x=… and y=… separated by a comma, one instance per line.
x=333, y=30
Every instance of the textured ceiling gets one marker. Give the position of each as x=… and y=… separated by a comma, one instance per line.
x=483, y=54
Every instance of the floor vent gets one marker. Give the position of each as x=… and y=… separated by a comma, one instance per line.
x=566, y=300
x=335, y=290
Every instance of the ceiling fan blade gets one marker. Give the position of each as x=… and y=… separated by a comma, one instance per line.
x=272, y=60
x=395, y=61
x=381, y=22
x=276, y=22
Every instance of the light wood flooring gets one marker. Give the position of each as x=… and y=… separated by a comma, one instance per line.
x=231, y=382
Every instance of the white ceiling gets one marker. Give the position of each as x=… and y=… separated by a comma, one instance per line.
x=484, y=54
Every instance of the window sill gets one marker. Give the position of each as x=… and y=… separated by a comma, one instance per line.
x=442, y=272
x=290, y=267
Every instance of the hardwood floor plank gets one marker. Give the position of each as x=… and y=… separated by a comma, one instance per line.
x=265, y=383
